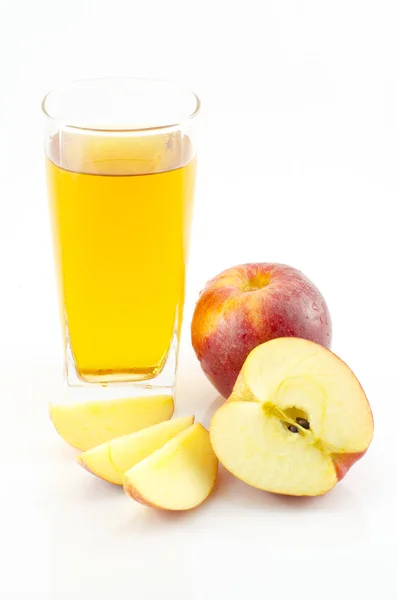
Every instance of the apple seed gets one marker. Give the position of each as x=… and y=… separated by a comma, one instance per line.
x=303, y=423
x=293, y=428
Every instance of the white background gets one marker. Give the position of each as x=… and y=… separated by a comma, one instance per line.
x=298, y=165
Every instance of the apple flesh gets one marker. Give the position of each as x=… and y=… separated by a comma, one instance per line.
x=179, y=476
x=111, y=460
x=251, y=304
x=88, y=424
x=297, y=419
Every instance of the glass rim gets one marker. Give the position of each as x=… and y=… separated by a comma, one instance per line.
x=177, y=124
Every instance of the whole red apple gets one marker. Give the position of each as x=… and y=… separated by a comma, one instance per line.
x=248, y=305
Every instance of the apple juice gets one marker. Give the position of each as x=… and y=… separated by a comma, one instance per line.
x=121, y=213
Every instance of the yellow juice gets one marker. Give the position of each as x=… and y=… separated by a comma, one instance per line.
x=121, y=213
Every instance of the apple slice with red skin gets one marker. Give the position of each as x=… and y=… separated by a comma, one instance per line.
x=296, y=422
x=178, y=476
x=85, y=425
x=111, y=460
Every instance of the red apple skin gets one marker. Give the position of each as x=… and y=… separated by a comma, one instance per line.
x=343, y=462
x=135, y=495
x=248, y=305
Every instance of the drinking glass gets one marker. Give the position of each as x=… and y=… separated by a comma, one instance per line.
x=121, y=167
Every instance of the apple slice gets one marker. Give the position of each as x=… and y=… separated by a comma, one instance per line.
x=88, y=424
x=296, y=421
x=112, y=459
x=179, y=476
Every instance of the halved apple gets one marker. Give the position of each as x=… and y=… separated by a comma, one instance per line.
x=88, y=424
x=179, y=476
x=296, y=421
x=112, y=459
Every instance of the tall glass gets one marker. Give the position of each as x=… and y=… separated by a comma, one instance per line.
x=121, y=166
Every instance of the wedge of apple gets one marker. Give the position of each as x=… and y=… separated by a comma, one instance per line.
x=179, y=476
x=112, y=459
x=88, y=424
x=297, y=419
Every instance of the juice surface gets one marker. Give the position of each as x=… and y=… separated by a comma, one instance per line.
x=121, y=215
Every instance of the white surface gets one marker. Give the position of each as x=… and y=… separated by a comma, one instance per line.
x=298, y=165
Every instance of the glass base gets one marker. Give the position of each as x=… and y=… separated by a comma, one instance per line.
x=78, y=390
